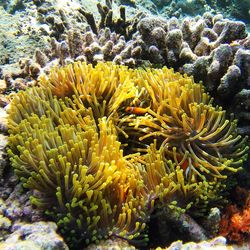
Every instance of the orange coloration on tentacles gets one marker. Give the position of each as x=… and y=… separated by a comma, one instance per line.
x=136, y=110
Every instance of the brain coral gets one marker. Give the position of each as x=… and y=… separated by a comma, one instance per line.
x=104, y=146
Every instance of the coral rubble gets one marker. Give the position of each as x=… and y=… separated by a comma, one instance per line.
x=216, y=243
x=36, y=236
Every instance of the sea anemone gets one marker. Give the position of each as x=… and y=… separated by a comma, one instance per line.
x=105, y=88
x=73, y=139
x=194, y=134
x=79, y=172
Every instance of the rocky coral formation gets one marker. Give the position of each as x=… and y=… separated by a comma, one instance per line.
x=32, y=25
x=121, y=24
x=36, y=236
x=216, y=243
x=237, y=9
x=17, y=36
x=211, y=49
x=107, y=34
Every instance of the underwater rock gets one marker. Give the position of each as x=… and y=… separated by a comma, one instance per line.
x=15, y=203
x=3, y=142
x=39, y=235
x=216, y=243
x=17, y=36
x=14, y=200
x=237, y=9
x=5, y=225
x=212, y=222
x=3, y=156
x=114, y=244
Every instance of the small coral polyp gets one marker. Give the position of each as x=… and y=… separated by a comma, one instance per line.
x=74, y=139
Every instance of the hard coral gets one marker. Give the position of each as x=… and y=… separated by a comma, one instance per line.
x=120, y=25
x=73, y=137
x=210, y=48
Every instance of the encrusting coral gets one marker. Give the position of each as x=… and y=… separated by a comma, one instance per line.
x=105, y=146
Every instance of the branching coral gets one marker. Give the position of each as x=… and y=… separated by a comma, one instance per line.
x=72, y=139
x=121, y=25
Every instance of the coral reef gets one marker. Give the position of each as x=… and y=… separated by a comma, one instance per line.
x=180, y=163
x=234, y=9
x=121, y=25
x=64, y=144
x=78, y=35
x=237, y=9
x=212, y=49
x=30, y=27
x=16, y=38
